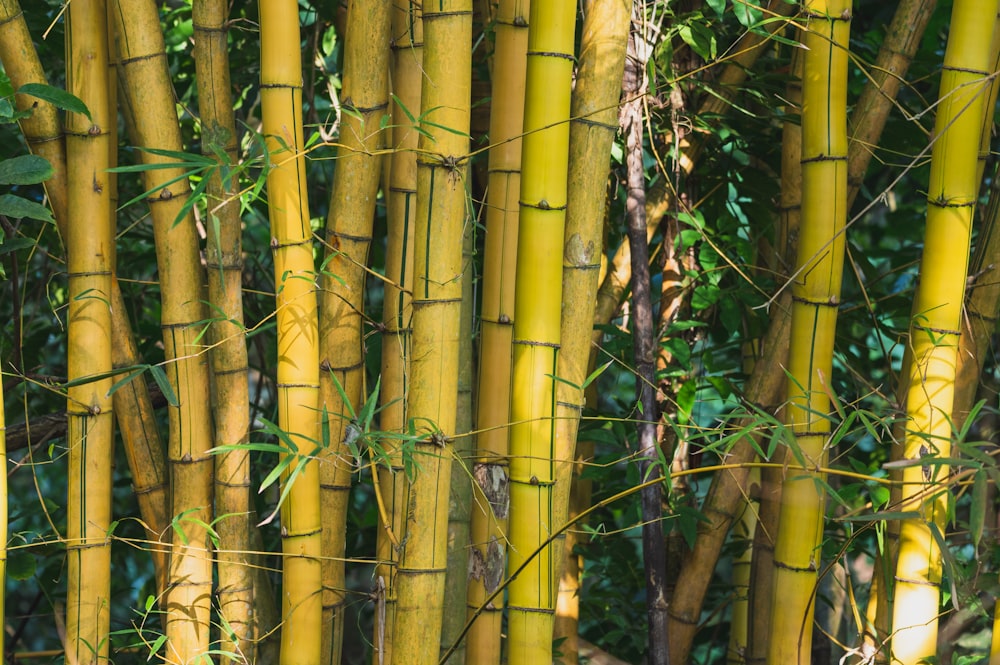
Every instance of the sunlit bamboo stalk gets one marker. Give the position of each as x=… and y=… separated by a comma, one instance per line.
x=537, y=310
x=936, y=325
x=816, y=296
x=298, y=332
x=89, y=244
x=441, y=215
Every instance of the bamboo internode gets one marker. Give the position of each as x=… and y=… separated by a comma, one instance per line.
x=89, y=248
x=535, y=342
x=816, y=282
x=936, y=325
x=297, y=330
x=441, y=216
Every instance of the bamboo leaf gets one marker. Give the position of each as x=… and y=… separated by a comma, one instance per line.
x=160, y=377
x=57, y=97
x=25, y=170
x=16, y=207
x=977, y=510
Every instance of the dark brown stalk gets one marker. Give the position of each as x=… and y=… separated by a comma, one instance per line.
x=654, y=552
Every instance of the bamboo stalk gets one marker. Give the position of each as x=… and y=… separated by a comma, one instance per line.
x=298, y=333
x=461, y=494
x=342, y=285
x=537, y=310
x=89, y=243
x=491, y=471
x=148, y=94
x=441, y=215
x=42, y=130
x=654, y=553
x=224, y=270
x=936, y=326
x=816, y=294
x=401, y=189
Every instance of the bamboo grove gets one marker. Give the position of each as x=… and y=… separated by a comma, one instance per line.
x=484, y=331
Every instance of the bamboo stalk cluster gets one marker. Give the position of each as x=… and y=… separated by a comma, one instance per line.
x=405, y=130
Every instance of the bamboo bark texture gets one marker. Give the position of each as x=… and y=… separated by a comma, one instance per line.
x=224, y=270
x=342, y=285
x=400, y=178
x=148, y=95
x=298, y=333
x=441, y=215
x=816, y=296
x=491, y=467
x=90, y=252
x=537, y=309
x=936, y=325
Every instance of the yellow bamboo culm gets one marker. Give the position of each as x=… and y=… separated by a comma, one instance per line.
x=342, y=284
x=400, y=174
x=42, y=131
x=298, y=331
x=441, y=215
x=224, y=270
x=490, y=468
x=89, y=242
x=152, y=119
x=537, y=310
x=815, y=288
x=936, y=324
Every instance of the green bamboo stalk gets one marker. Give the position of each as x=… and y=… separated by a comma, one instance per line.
x=537, y=311
x=816, y=294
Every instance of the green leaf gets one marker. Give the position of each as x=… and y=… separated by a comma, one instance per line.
x=747, y=15
x=57, y=97
x=977, y=510
x=20, y=565
x=705, y=296
x=6, y=89
x=718, y=6
x=16, y=207
x=685, y=401
x=25, y=170
x=13, y=244
x=161, y=380
x=680, y=350
x=699, y=38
